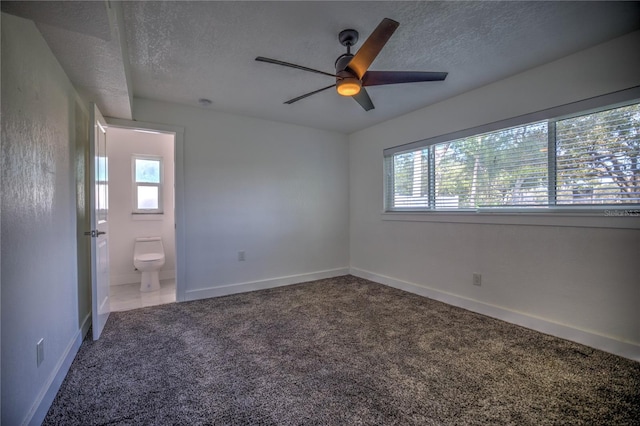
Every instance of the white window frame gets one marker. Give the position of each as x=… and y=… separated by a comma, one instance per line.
x=135, y=185
x=588, y=106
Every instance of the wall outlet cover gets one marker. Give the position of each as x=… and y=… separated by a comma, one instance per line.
x=477, y=279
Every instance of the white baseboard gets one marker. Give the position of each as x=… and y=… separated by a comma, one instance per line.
x=597, y=341
x=86, y=323
x=262, y=284
x=134, y=277
x=41, y=405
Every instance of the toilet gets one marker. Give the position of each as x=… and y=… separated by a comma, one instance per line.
x=148, y=258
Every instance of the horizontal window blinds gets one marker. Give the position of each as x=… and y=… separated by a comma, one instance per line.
x=503, y=168
x=409, y=178
x=597, y=158
x=591, y=159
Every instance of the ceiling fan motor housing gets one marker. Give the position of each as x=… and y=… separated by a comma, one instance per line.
x=347, y=83
x=342, y=62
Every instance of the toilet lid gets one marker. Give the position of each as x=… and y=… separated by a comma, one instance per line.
x=149, y=257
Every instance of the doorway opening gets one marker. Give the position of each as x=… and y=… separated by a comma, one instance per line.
x=141, y=197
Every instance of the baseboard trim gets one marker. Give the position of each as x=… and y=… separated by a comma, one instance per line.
x=84, y=327
x=225, y=290
x=597, y=341
x=40, y=407
x=135, y=277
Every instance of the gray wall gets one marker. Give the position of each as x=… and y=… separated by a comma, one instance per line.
x=41, y=116
x=568, y=275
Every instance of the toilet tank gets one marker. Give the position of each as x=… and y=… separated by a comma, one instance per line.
x=146, y=245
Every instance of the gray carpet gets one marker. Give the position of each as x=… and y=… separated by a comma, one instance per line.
x=342, y=351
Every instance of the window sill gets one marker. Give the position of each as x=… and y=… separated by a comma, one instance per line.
x=615, y=219
x=147, y=216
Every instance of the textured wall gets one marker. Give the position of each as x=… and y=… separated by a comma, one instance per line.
x=39, y=269
x=125, y=227
x=584, y=278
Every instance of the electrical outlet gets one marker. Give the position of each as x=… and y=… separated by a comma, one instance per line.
x=477, y=279
x=241, y=256
x=40, y=352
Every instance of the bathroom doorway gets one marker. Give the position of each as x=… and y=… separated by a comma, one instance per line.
x=141, y=204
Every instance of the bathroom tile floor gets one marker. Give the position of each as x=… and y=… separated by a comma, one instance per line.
x=128, y=296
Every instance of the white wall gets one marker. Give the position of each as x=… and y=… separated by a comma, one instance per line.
x=124, y=227
x=277, y=191
x=40, y=110
x=578, y=282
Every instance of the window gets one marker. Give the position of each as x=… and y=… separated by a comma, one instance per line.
x=102, y=187
x=591, y=159
x=147, y=184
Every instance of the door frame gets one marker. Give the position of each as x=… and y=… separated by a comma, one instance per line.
x=178, y=193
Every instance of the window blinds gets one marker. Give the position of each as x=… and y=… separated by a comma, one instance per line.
x=597, y=158
x=586, y=160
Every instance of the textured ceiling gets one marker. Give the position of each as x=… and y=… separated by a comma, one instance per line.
x=180, y=51
x=71, y=16
x=86, y=38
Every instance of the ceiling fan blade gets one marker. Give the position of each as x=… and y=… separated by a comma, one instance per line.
x=287, y=64
x=372, y=47
x=363, y=99
x=290, y=101
x=378, y=78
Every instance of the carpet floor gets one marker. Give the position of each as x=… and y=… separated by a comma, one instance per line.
x=340, y=351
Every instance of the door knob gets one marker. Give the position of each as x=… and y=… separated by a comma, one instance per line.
x=94, y=233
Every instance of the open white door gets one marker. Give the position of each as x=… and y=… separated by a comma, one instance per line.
x=98, y=199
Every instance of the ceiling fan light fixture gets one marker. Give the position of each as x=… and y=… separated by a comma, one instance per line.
x=352, y=70
x=348, y=86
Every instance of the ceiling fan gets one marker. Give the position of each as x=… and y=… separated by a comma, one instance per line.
x=352, y=75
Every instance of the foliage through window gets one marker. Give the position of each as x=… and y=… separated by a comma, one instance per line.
x=586, y=160
x=147, y=184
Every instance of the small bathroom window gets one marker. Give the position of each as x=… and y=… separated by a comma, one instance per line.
x=147, y=184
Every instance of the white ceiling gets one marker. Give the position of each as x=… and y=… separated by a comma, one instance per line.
x=180, y=51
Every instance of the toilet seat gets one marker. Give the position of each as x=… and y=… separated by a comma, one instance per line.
x=149, y=257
